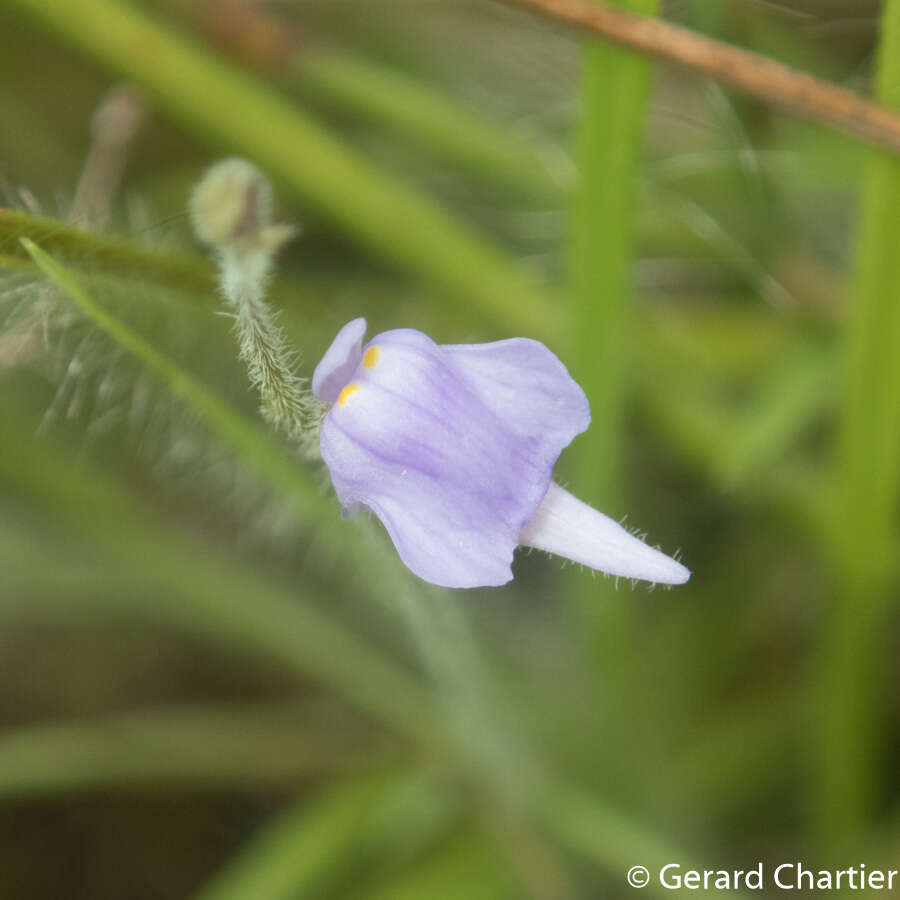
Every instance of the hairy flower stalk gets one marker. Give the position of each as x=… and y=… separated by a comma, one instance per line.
x=231, y=210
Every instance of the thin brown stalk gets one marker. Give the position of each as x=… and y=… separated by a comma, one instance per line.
x=763, y=78
x=113, y=127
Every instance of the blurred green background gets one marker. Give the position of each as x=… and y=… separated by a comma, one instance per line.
x=212, y=687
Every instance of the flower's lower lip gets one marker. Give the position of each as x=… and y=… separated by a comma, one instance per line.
x=452, y=447
x=567, y=527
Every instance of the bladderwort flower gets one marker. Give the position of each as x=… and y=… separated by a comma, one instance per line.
x=453, y=448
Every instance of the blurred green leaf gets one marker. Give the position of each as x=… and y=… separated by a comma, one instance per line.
x=466, y=868
x=867, y=481
x=614, y=91
x=317, y=845
x=427, y=115
x=211, y=747
x=203, y=592
x=790, y=400
x=226, y=106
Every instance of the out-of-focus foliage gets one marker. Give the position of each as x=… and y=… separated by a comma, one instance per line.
x=212, y=686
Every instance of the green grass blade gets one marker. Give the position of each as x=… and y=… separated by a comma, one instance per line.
x=609, y=839
x=614, y=90
x=868, y=488
x=427, y=115
x=789, y=402
x=293, y=856
x=211, y=747
x=317, y=845
x=465, y=868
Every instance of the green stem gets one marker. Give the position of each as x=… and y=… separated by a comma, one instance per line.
x=225, y=106
x=615, y=85
x=868, y=489
x=112, y=254
x=117, y=256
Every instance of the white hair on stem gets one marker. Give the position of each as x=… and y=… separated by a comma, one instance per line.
x=231, y=210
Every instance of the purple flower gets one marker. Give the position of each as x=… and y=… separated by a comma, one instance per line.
x=453, y=448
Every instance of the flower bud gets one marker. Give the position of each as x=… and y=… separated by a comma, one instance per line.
x=231, y=204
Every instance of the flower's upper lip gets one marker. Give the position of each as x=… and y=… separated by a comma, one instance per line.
x=341, y=359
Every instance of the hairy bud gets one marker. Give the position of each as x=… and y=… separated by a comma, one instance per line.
x=231, y=211
x=232, y=204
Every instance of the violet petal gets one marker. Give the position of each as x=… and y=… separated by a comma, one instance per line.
x=451, y=447
x=339, y=363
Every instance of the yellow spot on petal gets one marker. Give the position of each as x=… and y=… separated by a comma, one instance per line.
x=347, y=393
x=370, y=357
